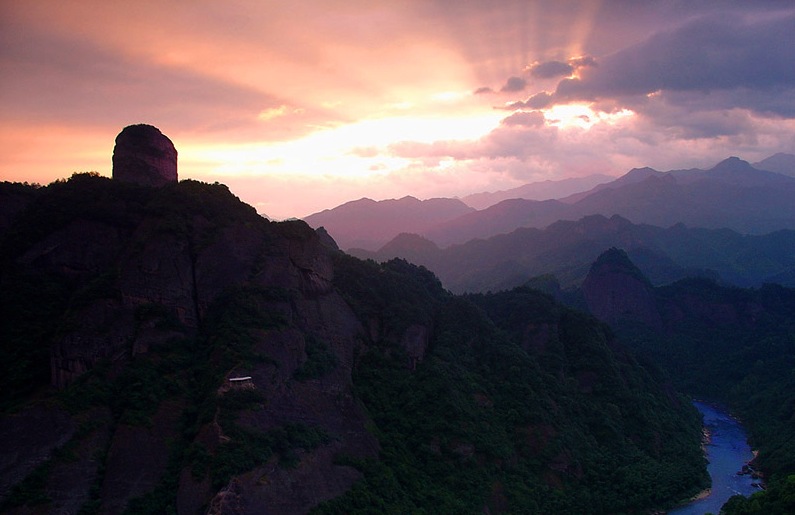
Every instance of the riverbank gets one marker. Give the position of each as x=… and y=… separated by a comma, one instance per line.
x=727, y=451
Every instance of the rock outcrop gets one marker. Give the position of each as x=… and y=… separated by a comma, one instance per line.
x=144, y=155
x=615, y=289
x=150, y=275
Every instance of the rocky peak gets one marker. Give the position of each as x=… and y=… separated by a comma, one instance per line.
x=616, y=289
x=144, y=155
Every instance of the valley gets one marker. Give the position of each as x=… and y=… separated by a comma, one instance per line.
x=539, y=370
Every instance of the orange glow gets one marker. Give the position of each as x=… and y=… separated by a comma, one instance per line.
x=582, y=116
x=332, y=151
x=280, y=98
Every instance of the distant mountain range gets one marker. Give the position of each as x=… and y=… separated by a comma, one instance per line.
x=751, y=199
x=544, y=190
x=368, y=224
x=566, y=250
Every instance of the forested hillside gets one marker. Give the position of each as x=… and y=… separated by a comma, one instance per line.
x=726, y=344
x=169, y=350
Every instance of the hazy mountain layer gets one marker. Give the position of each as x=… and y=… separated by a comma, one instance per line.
x=733, y=195
x=567, y=249
x=544, y=190
x=369, y=224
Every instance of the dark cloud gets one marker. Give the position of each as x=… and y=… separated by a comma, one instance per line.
x=484, y=90
x=582, y=62
x=551, y=69
x=743, y=57
x=514, y=85
x=537, y=101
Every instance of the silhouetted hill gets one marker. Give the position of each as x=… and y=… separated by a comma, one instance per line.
x=169, y=350
x=369, y=224
x=14, y=198
x=567, y=249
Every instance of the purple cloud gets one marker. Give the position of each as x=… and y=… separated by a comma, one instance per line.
x=513, y=85
x=551, y=69
x=537, y=101
x=525, y=119
x=729, y=54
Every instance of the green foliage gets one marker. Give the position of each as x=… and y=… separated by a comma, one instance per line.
x=30, y=306
x=248, y=448
x=736, y=346
x=31, y=491
x=778, y=499
x=518, y=404
x=238, y=399
x=486, y=418
x=319, y=360
x=395, y=294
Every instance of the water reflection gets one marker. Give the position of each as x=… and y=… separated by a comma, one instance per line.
x=727, y=452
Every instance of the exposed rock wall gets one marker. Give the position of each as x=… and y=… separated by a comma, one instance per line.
x=615, y=289
x=144, y=155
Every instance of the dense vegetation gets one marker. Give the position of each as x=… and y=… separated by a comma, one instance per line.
x=489, y=420
x=516, y=403
x=735, y=346
x=180, y=376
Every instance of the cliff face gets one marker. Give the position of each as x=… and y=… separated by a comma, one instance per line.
x=615, y=289
x=144, y=155
x=151, y=274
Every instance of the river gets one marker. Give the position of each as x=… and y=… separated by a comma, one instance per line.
x=727, y=452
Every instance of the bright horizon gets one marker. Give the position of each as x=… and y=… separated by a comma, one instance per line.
x=302, y=107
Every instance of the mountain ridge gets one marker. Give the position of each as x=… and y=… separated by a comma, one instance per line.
x=567, y=248
x=732, y=194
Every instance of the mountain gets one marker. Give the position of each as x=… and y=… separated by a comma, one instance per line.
x=780, y=163
x=732, y=194
x=168, y=350
x=730, y=345
x=567, y=249
x=369, y=224
x=543, y=190
x=14, y=198
x=631, y=177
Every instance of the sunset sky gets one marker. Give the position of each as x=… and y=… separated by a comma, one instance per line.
x=300, y=106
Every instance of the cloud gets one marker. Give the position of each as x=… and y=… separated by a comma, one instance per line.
x=556, y=69
x=484, y=90
x=525, y=119
x=513, y=85
x=103, y=86
x=740, y=60
x=582, y=62
x=551, y=69
x=538, y=101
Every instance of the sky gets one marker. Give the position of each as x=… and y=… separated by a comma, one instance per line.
x=301, y=106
